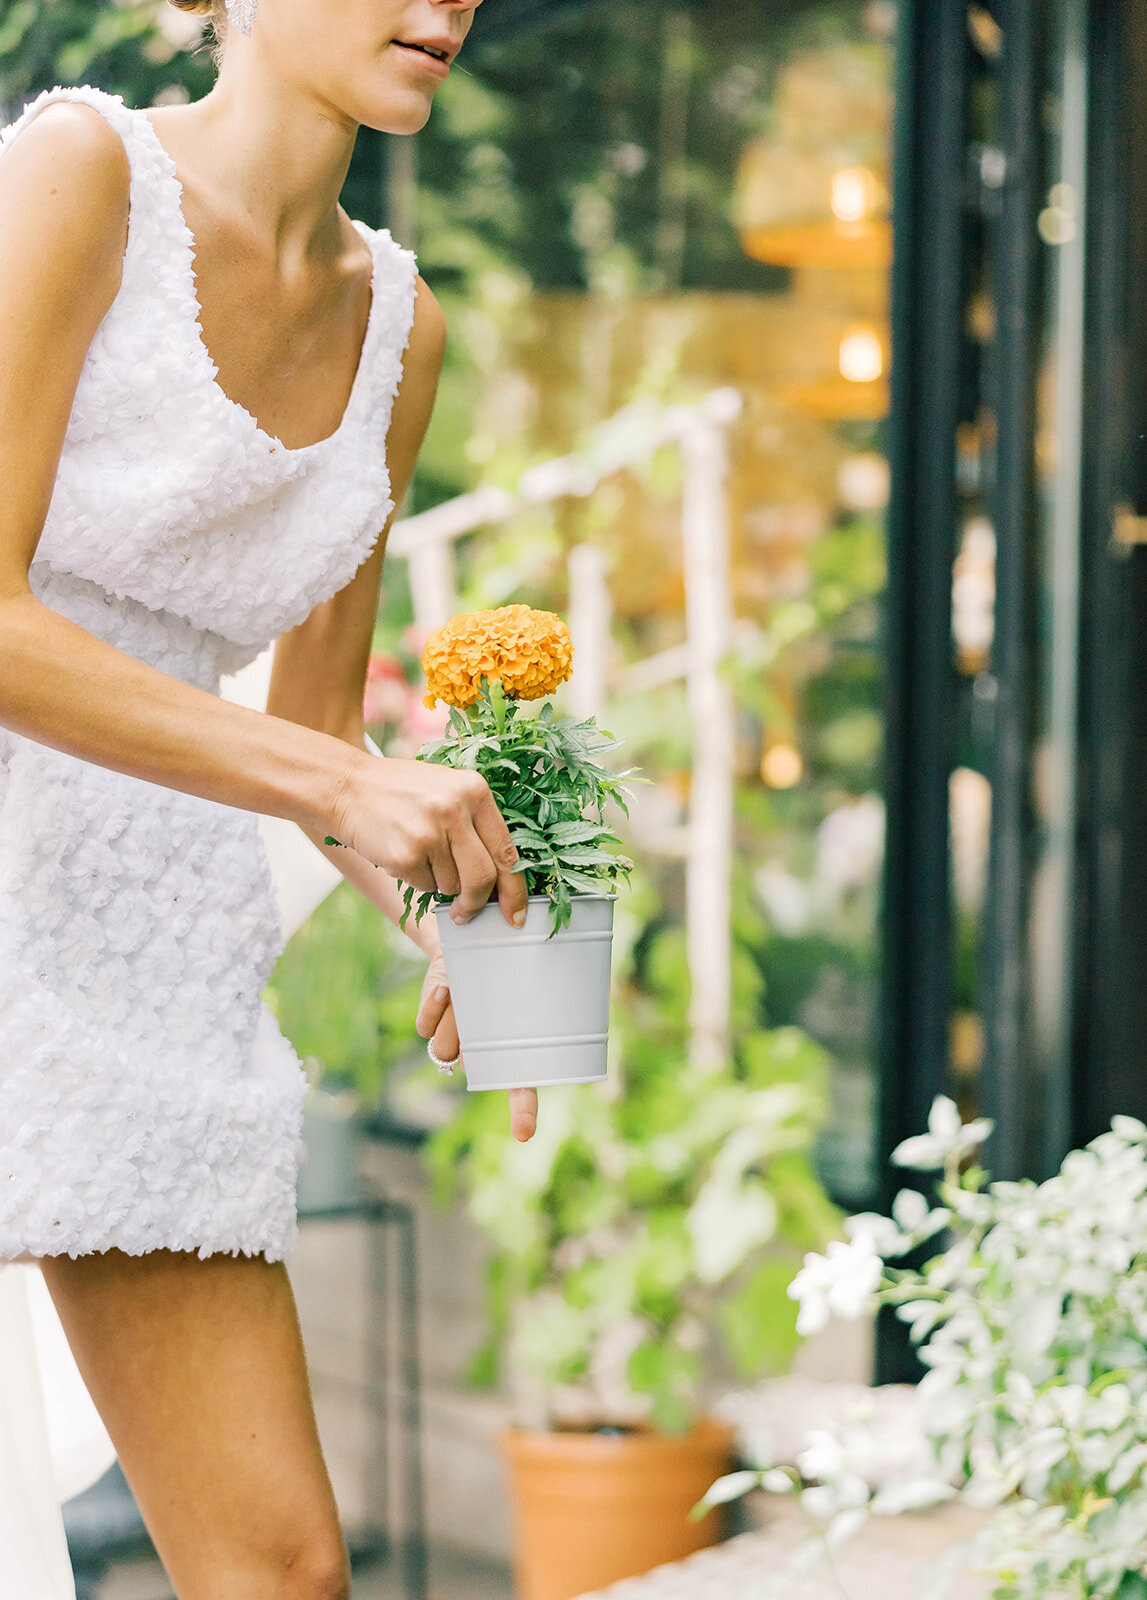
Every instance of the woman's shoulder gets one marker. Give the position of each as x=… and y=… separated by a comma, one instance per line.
x=85, y=124
x=78, y=111
x=72, y=153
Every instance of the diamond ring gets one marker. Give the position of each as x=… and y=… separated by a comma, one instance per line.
x=443, y=1066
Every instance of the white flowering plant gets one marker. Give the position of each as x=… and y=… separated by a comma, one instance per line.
x=1032, y=1324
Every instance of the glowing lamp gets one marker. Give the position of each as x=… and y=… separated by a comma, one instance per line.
x=781, y=766
x=798, y=209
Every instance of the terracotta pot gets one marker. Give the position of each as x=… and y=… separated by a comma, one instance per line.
x=591, y=1508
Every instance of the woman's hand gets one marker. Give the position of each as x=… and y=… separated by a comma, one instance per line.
x=434, y=828
x=436, y=1022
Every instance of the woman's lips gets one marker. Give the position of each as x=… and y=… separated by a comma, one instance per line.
x=423, y=59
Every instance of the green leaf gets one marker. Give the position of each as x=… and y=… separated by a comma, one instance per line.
x=563, y=833
x=582, y=856
x=583, y=883
x=669, y=1375
x=733, y=1486
x=759, y=1321
x=1105, y=1379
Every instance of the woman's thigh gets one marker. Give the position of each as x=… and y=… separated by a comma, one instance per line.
x=197, y=1368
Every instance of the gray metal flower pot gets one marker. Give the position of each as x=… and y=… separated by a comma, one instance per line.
x=531, y=1010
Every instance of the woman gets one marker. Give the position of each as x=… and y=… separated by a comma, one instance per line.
x=213, y=388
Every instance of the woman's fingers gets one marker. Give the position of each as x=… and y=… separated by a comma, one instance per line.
x=510, y=886
x=419, y=874
x=446, y=1046
x=442, y=865
x=435, y=999
x=523, y=1113
x=476, y=871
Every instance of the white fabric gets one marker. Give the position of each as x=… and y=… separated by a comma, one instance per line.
x=33, y=1552
x=53, y=1444
x=147, y=1097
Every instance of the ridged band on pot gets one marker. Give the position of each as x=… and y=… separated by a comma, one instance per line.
x=531, y=1010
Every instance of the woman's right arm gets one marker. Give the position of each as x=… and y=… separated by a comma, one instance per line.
x=64, y=187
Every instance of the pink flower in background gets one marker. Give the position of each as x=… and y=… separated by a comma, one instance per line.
x=419, y=723
x=385, y=693
x=414, y=638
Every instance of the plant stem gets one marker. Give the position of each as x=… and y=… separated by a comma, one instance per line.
x=498, y=702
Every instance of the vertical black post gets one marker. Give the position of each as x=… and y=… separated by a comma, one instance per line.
x=1111, y=1037
x=928, y=283
x=1005, y=1086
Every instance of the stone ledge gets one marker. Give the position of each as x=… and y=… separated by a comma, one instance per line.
x=897, y=1558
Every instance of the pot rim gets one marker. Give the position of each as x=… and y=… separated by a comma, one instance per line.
x=444, y=905
x=704, y=1433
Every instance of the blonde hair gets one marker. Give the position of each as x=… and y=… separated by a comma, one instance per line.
x=216, y=11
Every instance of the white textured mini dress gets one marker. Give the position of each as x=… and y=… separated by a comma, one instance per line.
x=147, y=1097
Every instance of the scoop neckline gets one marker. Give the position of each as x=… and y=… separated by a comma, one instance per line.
x=200, y=344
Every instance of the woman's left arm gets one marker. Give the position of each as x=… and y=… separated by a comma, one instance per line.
x=319, y=674
x=319, y=668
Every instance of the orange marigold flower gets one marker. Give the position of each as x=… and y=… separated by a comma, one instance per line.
x=529, y=651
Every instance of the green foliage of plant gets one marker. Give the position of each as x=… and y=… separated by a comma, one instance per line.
x=759, y=1322
x=649, y=1215
x=548, y=782
x=1029, y=1319
x=346, y=990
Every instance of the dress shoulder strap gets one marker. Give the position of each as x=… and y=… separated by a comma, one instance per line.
x=142, y=221
x=394, y=291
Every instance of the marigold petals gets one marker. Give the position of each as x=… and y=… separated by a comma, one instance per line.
x=529, y=651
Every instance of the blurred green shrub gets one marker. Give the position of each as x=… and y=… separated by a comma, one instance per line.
x=346, y=990
x=645, y=1216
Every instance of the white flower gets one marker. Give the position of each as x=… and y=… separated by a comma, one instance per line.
x=845, y=1525
x=1129, y=1128
x=913, y=1494
x=819, y=1502
x=1109, y=1410
x=1039, y=1301
x=1125, y=1468
x=947, y=1137
x=909, y=1209
x=822, y=1459
x=841, y=1283
x=885, y=1236
x=922, y=1314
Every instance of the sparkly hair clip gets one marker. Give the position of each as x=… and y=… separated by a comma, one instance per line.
x=241, y=14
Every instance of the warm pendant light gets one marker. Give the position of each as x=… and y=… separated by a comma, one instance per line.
x=814, y=192
x=858, y=389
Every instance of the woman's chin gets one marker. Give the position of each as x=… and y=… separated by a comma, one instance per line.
x=401, y=109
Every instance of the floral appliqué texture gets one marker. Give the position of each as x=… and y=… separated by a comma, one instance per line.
x=147, y=1096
